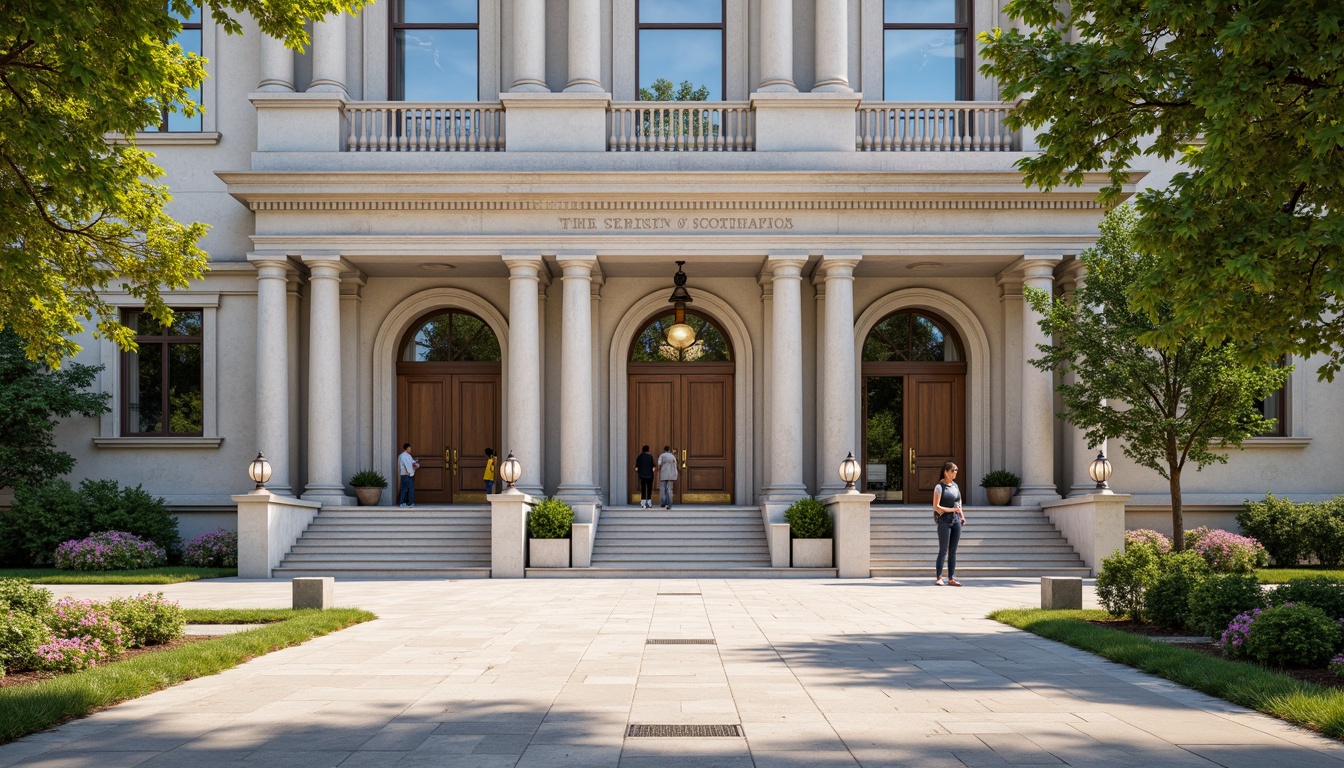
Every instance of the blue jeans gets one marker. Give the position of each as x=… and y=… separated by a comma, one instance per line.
x=407, y=493
x=949, y=534
x=489, y=486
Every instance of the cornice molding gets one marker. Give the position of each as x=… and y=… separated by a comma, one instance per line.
x=299, y=204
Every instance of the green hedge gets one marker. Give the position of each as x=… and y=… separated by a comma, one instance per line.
x=1291, y=531
x=47, y=515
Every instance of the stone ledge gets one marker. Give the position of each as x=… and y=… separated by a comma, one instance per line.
x=158, y=442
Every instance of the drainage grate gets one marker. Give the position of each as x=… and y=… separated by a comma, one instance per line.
x=696, y=594
x=696, y=731
x=680, y=641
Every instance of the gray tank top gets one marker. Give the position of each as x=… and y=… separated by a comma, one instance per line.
x=951, y=495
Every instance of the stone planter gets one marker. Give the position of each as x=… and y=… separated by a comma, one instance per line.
x=812, y=553
x=548, y=553
x=1000, y=496
x=368, y=497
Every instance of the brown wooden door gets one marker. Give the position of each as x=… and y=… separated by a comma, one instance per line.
x=935, y=431
x=449, y=419
x=693, y=413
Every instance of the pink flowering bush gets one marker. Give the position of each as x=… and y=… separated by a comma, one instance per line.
x=1337, y=665
x=1233, y=641
x=1149, y=537
x=102, y=637
x=72, y=654
x=1227, y=552
x=148, y=619
x=109, y=551
x=217, y=549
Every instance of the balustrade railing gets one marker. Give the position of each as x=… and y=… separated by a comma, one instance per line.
x=397, y=126
x=666, y=126
x=968, y=126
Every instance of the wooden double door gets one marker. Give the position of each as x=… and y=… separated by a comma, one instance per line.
x=449, y=416
x=914, y=422
x=693, y=413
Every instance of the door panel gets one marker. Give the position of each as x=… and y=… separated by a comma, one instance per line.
x=694, y=414
x=936, y=419
x=477, y=416
x=421, y=422
x=652, y=416
x=449, y=420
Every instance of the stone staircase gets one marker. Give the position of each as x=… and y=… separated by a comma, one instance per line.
x=393, y=543
x=687, y=542
x=996, y=541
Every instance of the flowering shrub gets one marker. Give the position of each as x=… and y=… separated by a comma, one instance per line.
x=21, y=635
x=1149, y=537
x=1293, y=636
x=1337, y=665
x=217, y=549
x=20, y=596
x=1216, y=599
x=109, y=551
x=73, y=619
x=71, y=654
x=148, y=619
x=1233, y=641
x=1227, y=552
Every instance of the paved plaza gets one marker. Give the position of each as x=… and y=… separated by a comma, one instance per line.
x=533, y=673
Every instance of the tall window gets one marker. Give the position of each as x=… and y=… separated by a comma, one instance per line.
x=190, y=40
x=162, y=381
x=434, y=45
x=679, y=41
x=925, y=45
x=1275, y=407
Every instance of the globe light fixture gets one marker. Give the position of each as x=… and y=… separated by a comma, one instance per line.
x=1100, y=471
x=849, y=471
x=260, y=471
x=680, y=335
x=510, y=470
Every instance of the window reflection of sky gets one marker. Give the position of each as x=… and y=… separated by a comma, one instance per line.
x=680, y=11
x=921, y=11
x=439, y=11
x=682, y=54
x=921, y=64
x=438, y=64
x=190, y=40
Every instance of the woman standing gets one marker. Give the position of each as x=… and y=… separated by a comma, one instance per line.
x=947, y=510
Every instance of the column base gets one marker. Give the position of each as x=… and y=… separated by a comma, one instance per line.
x=778, y=498
x=1035, y=495
x=328, y=496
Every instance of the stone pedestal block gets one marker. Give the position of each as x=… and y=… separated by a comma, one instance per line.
x=804, y=122
x=581, y=544
x=314, y=592
x=548, y=553
x=268, y=525
x=780, y=551
x=508, y=533
x=1060, y=593
x=1094, y=525
x=299, y=122
x=556, y=122
x=851, y=513
x=813, y=553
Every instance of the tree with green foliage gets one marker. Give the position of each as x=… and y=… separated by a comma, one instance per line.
x=1170, y=406
x=79, y=213
x=673, y=125
x=32, y=399
x=1250, y=98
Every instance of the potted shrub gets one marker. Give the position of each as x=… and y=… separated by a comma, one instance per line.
x=368, y=486
x=549, y=525
x=1000, y=485
x=810, y=524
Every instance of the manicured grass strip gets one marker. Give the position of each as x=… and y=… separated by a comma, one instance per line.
x=237, y=615
x=1249, y=685
x=168, y=575
x=28, y=708
x=1282, y=575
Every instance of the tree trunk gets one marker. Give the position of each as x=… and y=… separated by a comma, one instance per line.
x=1177, y=518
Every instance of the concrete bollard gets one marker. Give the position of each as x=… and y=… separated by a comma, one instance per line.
x=1061, y=592
x=314, y=592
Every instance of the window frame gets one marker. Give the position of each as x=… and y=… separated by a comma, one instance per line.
x=164, y=341
x=395, y=65
x=722, y=27
x=965, y=78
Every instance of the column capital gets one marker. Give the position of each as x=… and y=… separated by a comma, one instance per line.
x=324, y=266
x=577, y=264
x=785, y=264
x=271, y=264
x=352, y=283
x=528, y=265
x=1037, y=266
x=840, y=264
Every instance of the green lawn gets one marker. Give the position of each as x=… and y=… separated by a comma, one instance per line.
x=167, y=575
x=1249, y=685
x=28, y=708
x=1281, y=575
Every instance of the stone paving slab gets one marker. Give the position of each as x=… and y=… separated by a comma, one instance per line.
x=534, y=673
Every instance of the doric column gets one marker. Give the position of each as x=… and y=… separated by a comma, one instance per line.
x=777, y=46
x=352, y=285
x=1038, y=394
x=1081, y=453
x=329, y=55
x=838, y=436
x=832, y=47
x=277, y=66
x=273, y=368
x=525, y=389
x=529, y=47
x=576, y=385
x=325, y=483
x=585, y=46
x=786, y=373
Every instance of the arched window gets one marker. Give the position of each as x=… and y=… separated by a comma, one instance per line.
x=451, y=337
x=911, y=337
x=711, y=346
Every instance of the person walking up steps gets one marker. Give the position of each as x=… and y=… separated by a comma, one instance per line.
x=644, y=471
x=947, y=511
x=667, y=474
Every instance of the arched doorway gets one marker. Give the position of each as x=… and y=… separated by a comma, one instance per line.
x=683, y=398
x=914, y=406
x=448, y=404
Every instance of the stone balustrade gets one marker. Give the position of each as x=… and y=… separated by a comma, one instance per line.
x=968, y=126
x=398, y=126
x=645, y=126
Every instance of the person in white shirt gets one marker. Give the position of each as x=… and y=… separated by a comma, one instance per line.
x=406, y=466
x=667, y=474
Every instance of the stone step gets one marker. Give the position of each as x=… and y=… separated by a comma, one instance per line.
x=920, y=549
x=294, y=558
x=971, y=571
x=655, y=570
x=334, y=549
x=384, y=571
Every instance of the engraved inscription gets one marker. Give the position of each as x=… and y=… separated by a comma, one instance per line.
x=685, y=223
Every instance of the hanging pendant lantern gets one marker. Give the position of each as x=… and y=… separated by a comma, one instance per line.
x=680, y=336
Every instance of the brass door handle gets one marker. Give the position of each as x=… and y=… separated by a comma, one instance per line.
x=454, y=461
x=683, y=458
x=447, y=456
x=912, y=461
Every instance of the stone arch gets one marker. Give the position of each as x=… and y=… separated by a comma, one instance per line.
x=978, y=358
x=386, y=346
x=632, y=322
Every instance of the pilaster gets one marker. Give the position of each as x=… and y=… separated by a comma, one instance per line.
x=839, y=436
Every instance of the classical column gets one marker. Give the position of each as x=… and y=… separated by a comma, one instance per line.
x=529, y=46
x=838, y=437
x=786, y=373
x=273, y=368
x=1038, y=394
x=1081, y=453
x=525, y=388
x=325, y=483
x=576, y=385
x=352, y=285
x=329, y=55
x=777, y=46
x=832, y=47
x=277, y=65
x=585, y=46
